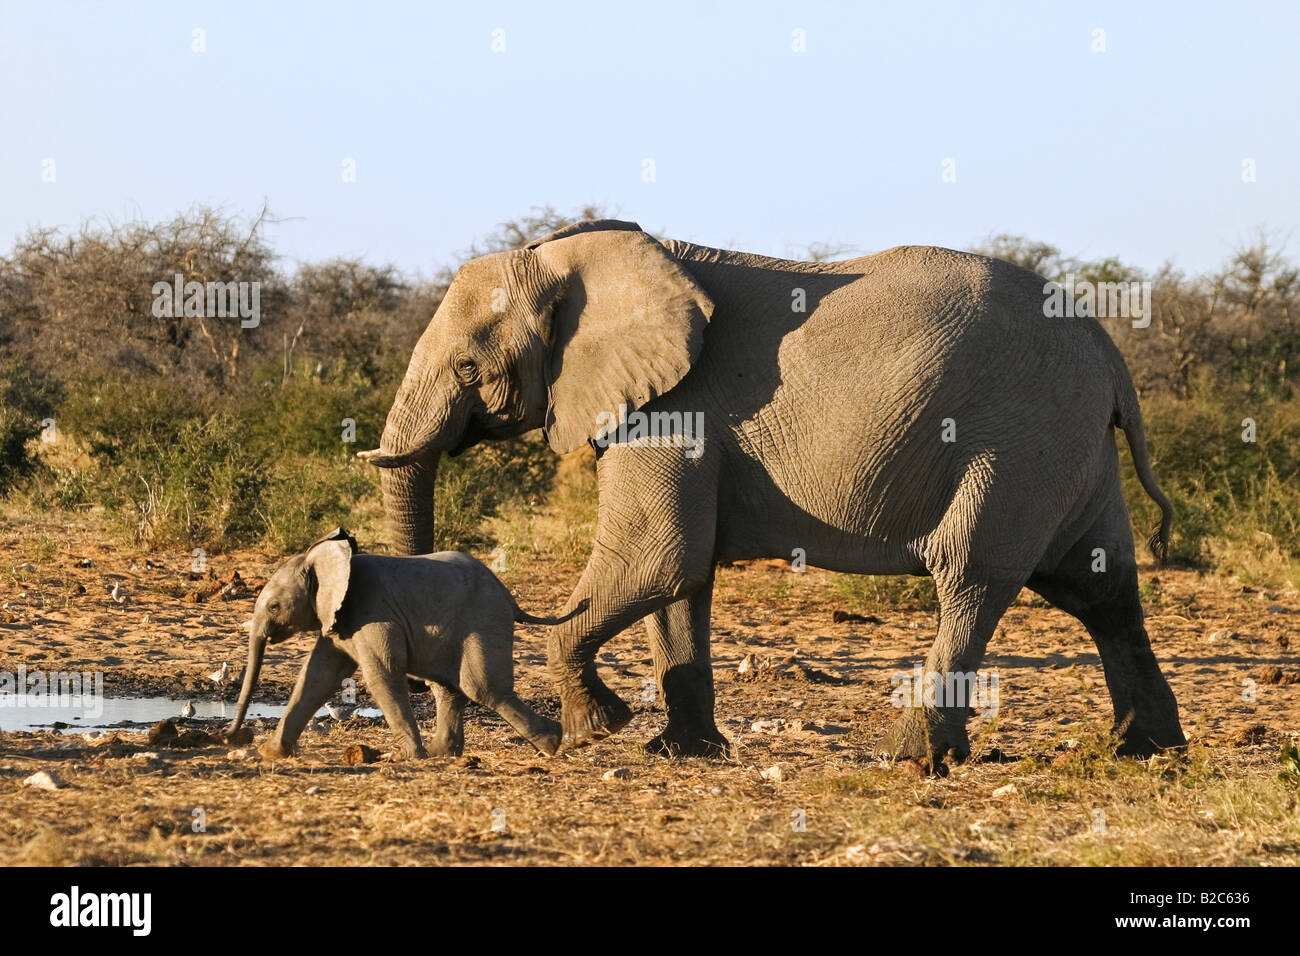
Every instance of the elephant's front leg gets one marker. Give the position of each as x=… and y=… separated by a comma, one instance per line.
x=679, y=643
x=653, y=546
x=383, y=665
x=322, y=673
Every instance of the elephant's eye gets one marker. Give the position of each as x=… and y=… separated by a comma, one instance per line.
x=275, y=607
x=466, y=371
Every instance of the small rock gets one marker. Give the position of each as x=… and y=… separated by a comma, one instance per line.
x=146, y=755
x=240, y=754
x=618, y=773
x=746, y=666
x=1007, y=791
x=44, y=780
x=1270, y=675
x=469, y=762
x=312, y=791
x=163, y=733
x=1278, y=609
x=767, y=726
x=86, y=563
x=359, y=754
x=773, y=773
x=1223, y=635
x=31, y=568
x=146, y=619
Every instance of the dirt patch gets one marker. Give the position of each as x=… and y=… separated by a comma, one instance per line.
x=818, y=688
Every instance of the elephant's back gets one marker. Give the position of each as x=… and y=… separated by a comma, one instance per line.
x=458, y=577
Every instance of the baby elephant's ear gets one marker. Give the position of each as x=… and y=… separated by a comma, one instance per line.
x=331, y=562
x=339, y=534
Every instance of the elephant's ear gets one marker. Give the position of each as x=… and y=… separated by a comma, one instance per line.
x=626, y=323
x=331, y=562
x=339, y=534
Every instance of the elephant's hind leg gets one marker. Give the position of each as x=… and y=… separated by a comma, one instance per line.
x=1097, y=582
x=493, y=688
x=981, y=554
x=933, y=726
x=449, y=735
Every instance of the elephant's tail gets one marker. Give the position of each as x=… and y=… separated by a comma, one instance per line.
x=523, y=617
x=1129, y=418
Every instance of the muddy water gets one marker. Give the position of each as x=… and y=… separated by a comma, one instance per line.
x=128, y=712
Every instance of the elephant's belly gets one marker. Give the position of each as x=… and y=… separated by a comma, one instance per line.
x=843, y=542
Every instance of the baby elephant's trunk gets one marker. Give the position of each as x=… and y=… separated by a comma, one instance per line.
x=523, y=617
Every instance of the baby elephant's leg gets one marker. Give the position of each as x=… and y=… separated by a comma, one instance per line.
x=322, y=673
x=385, y=676
x=449, y=736
x=487, y=676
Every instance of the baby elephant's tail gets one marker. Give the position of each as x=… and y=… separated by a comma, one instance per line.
x=523, y=617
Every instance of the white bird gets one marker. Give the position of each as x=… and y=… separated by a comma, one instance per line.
x=341, y=711
x=221, y=674
x=188, y=710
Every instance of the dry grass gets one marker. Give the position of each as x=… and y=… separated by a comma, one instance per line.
x=1225, y=802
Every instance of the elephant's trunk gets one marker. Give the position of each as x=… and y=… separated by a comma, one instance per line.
x=256, y=651
x=417, y=430
x=408, y=501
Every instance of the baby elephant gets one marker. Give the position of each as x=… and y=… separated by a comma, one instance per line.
x=441, y=617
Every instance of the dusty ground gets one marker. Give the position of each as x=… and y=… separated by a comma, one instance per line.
x=1045, y=792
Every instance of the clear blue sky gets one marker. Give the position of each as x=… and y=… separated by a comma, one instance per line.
x=1134, y=152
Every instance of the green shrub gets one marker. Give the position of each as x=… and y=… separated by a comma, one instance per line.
x=475, y=486
x=309, y=494
x=1236, y=503
x=25, y=400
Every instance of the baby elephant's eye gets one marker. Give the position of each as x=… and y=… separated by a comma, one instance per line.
x=466, y=370
x=275, y=606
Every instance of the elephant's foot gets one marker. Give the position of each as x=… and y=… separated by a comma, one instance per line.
x=274, y=750
x=928, y=740
x=590, y=711
x=548, y=742
x=446, y=747
x=687, y=742
x=1145, y=738
x=413, y=750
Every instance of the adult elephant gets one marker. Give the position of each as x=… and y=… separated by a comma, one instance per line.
x=909, y=412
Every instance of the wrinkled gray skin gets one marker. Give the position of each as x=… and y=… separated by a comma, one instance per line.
x=824, y=431
x=441, y=617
